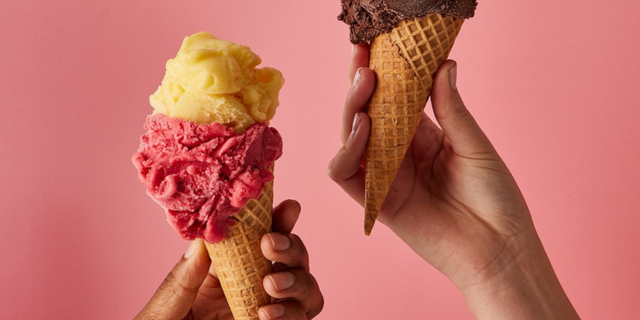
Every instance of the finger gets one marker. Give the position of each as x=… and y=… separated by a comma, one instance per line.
x=285, y=216
x=426, y=142
x=211, y=293
x=357, y=99
x=286, y=249
x=427, y=135
x=466, y=137
x=298, y=285
x=176, y=294
x=346, y=166
x=283, y=310
x=359, y=59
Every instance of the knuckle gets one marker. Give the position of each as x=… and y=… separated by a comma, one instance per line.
x=339, y=167
x=295, y=310
x=299, y=250
x=461, y=111
x=332, y=171
x=149, y=314
x=167, y=285
x=174, y=285
x=316, y=309
x=295, y=239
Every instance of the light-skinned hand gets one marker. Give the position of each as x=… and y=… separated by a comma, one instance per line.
x=455, y=203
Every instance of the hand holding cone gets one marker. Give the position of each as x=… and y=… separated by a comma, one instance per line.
x=206, y=155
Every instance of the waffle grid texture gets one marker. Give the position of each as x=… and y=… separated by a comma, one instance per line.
x=238, y=259
x=404, y=60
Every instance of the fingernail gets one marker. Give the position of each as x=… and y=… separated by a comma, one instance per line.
x=263, y=314
x=279, y=242
x=453, y=74
x=356, y=79
x=282, y=281
x=191, y=249
x=274, y=311
x=356, y=124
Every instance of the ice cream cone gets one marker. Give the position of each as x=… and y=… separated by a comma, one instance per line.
x=404, y=60
x=238, y=259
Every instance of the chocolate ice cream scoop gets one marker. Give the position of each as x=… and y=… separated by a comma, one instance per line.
x=369, y=18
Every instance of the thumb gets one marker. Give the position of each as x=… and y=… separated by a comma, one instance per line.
x=176, y=294
x=459, y=126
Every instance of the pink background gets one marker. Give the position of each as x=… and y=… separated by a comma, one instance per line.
x=555, y=84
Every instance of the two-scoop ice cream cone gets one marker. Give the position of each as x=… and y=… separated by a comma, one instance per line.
x=208, y=159
x=209, y=153
x=408, y=43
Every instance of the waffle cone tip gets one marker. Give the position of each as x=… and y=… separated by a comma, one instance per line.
x=369, y=221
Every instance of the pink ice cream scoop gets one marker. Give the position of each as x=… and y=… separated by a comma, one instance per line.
x=204, y=173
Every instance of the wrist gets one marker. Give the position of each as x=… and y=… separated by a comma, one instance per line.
x=525, y=287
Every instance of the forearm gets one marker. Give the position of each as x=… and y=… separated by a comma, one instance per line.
x=527, y=289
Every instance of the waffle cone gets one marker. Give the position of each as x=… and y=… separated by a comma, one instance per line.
x=404, y=60
x=238, y=259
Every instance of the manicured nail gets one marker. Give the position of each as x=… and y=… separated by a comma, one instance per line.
x=271, y=311
x=356, y=79
x=453, y=74
x=282, y=281
x=279, y=242
x=356, y=124
x=191, y=249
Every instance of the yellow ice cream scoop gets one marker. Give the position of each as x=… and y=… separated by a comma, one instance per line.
x=212, y=80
